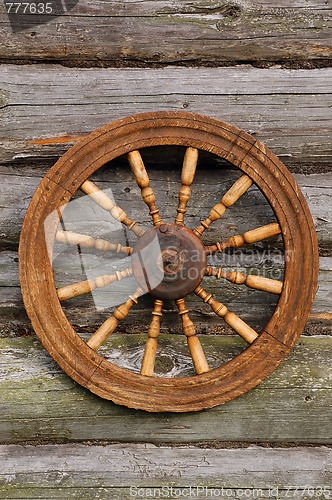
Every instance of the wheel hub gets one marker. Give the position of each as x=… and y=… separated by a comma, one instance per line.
x=169, y=261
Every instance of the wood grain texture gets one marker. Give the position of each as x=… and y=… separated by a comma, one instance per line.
x=252, y=236
x=106, y=203
x=287, y=110
x=231, y=319
x=84, y=241
x=108, y=327
x=73, y=471
x=218, y=31
x=42, y=403
x=83, y=287
x=253, y=306
x=292, y=122
x=252, y=210
x=150, y=350
x=240, y=186
x=18, y=184
x=187, y=177
x=253, y=281
x=143, y=182
x=194, y=345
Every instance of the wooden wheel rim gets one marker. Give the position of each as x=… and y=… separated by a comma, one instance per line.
x=236, y=376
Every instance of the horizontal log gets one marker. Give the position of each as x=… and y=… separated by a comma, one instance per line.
x=287, y=110
x=42, y=403
x=219, y=31
x=251, y=211
x=253, y=306
x=74, y=470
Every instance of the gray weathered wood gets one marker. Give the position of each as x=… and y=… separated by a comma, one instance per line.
x=45, y=108
x=19, y=183
x=251, y=305
x=163, y=32
x=252, y=210
x=41, y=403
x=121, y=470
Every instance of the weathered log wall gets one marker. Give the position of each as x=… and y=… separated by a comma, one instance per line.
x=42, y=403
x=265, y=68
x=144, y=470
x=266, y=259
x=167, y=32
x=276, y=105
x=288, y=110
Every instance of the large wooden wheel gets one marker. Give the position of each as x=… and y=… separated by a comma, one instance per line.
x=257, y=164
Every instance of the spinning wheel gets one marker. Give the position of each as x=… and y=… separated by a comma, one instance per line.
x=178, y=266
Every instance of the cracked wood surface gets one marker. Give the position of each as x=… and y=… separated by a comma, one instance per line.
x=252, y=306
x=212, y=180
x=167, y=32
x=42, y=403
x=287, y=110
x=75, y=471
x=252, y=210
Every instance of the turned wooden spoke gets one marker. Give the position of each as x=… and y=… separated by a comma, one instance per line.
x=88, y=242
x=108, y=327
x=258, y=234
x=187, y=177
x=257, y=282
x=231, y=319
x=143, y=182
x=106, y=203
x=82, y=287
x=233, y=194
x=195, y=348
x=149, y=357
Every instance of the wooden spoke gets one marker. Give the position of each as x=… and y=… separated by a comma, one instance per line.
x=106, y=203
x=88, y=242
x=82, y=287
x=187, y=177
x=195, y=348
x=233, y=194
x=231, y=319
x=149, y=357
x=143, y=182
x=108, y=327
x=257, y=282
x=258, y=234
